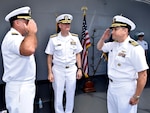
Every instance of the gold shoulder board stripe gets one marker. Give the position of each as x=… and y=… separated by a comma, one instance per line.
x=14, y=33
x=74, y=34
x=52, y=36
x=133, y=42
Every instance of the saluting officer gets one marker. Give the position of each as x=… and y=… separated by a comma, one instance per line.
x=127, y=67
x=63, y=53
x=18, y=48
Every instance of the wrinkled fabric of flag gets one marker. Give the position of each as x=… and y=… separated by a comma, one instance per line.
x=85, y=44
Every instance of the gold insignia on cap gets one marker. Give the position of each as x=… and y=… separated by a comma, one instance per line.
x=66, y=17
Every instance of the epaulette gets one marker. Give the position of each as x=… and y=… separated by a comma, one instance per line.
x=54, y=35
x=74, y=34
x=14, y=33
x=133, y=42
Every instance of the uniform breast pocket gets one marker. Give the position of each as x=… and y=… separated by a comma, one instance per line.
x=120, y=59
x=121, y=62
x=72, y=50
x=58, y=50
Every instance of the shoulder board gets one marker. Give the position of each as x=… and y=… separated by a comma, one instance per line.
x=14, y=33
x=74, y=34
x=115, y=41
x=133, y=42
x=52, y=36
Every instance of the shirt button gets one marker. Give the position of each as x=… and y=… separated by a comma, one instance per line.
x=119, y=64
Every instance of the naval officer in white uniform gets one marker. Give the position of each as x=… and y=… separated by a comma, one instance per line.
x=64, y=63
x=18, y=48
x=142, y=42
x=127, y=66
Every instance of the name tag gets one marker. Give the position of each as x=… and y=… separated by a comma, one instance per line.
x=73, y=43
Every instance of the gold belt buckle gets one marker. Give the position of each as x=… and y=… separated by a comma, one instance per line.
x=67, y=67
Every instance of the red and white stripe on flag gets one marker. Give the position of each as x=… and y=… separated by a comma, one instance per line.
x=85, y=44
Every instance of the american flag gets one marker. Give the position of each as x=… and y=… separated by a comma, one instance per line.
x=85, y=44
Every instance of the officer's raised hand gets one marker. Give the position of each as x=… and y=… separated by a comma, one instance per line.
x=31, y=27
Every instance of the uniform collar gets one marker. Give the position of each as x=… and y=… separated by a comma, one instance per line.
x=125, y=41
x=13, y=30
x=67, y=38
x=124, y=44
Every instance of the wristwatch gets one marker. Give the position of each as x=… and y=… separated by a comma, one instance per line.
x=136, y=97
x=80, y=68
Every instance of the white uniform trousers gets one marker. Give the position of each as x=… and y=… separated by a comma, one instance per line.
x=64, y=78
x=20, y=97
x=118, y=96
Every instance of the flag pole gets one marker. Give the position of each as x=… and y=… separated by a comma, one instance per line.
x=89, y=85
x=84, y=9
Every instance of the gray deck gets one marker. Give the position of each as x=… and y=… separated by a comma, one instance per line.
x=95, y=102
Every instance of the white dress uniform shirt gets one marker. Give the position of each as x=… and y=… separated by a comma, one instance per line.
x=19, y=75
x=16, y=67
x=58, y=47
x=144, y=44
x=125, y=60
